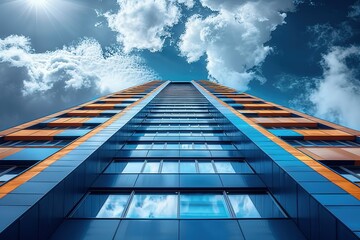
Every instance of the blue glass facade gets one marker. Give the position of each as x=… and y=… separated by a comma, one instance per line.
x=172, y=161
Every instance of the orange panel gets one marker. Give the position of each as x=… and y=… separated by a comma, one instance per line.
x=100, y=106
x=68, y=122
x=258, y=106
x=85, y=113
x=284, y=122
x=4, y=152
x=32, y=135
x=332, y=153
x=267, y=113
x=326, y=134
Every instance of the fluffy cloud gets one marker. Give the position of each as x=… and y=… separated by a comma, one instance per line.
x=354, y=12
x=337, y=96
x=233, y=38
x=145, y=24
x=59, y=79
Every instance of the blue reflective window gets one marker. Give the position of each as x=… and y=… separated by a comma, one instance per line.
x=151, y=167
x=133, y=167
x=224, y=167
x=153, y=206
x=203, y=206
x=102, y=206
x=187, y=167
x=172, y=146
x=170, y=167
x=158, y=146
x=254, y=206
x=206, y=167
x=113, y=207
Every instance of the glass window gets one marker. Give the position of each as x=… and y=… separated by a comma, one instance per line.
x=243, y=206
x=224, y=167
x=199, y=146
x=153, y=206
x=254, y=206
x=10, y=172
x=113, y=207
x=206, y=167
x=172, y=146
x=133, y=167
x=187, y=167
x=186, y=145
x=151, y=167
x=170, y=167
x=158, y=146
x=203, y=206
x=102, y=206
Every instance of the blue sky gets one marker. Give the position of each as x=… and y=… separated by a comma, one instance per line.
x=56, y=54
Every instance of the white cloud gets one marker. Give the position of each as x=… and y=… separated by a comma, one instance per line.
x=354, y=12
x=60, y=79
x=80, y=66
x=145, y=24
x=337, y=97
x=233, y=38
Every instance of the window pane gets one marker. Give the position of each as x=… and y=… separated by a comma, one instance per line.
x=203, y=206
x=206, y=167
x=243, y=206
x=187, y=167
x=153, y=206
x=133, y=167
x=102, y=206
x=172, y=146
x=186, y=145
x=113, y=207
x=254, y=206
x=151, y=167
x=170, y=167
x=199, y=146
x=224, y=167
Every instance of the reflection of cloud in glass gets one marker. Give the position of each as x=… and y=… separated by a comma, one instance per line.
x=170, y=167
x=153, y=206
x=151, y=167
x=206, y=167
x=224, y=167
x=133, y=167
x=187, y=167
x=243, y=206
x=203, y=206
x=113, y=206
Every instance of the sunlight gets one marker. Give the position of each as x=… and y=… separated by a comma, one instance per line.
x=38, y=3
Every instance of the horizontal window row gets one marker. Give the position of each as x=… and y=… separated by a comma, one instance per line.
x=180, y=125
x=178, y=167
x=178, y=205
x=52, y=143
x=181, y=134
x=178, y=146
x=9, y=172
x=308, y=143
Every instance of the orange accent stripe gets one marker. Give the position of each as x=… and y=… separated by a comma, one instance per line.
x=32, y=172
x=335, y=178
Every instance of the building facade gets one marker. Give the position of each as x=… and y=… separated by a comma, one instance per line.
x=179, y=160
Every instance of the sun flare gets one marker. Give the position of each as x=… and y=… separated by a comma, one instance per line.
x=38, y=3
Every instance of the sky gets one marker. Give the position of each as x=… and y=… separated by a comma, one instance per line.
x=56, y=54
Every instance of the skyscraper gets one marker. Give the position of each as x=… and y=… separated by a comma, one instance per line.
x=179, y=160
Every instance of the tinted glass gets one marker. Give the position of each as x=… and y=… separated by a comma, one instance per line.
x=153, y=206
x=187, y=167
x=203, y=206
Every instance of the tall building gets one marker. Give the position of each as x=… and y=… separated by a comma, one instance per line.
x=179, y=160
